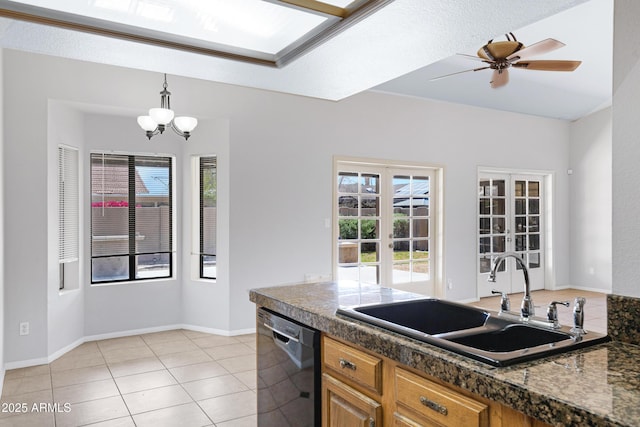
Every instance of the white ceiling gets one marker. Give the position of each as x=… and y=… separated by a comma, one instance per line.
x=587, y=31
x=397, y=49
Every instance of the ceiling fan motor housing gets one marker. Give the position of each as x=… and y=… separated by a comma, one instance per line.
x=496, y=51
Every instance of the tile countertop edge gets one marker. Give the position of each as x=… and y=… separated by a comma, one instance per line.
x=457, y=370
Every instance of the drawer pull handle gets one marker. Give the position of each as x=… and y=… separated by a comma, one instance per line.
x=434, y=405
x=346, y=364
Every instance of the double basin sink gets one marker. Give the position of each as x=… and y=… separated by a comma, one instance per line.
x=496, y=338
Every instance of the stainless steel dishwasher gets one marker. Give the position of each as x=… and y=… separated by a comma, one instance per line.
x=288, y=372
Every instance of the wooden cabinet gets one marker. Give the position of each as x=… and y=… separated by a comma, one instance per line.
x=343, y=406
x=430, y=403
x=351, y=386
x=361, y=388
x=352, y=363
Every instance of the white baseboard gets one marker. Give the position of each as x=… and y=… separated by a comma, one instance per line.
x=120, y=334
x=26, y=363
x=131, y=332
x=219, y=331
x=581, y=288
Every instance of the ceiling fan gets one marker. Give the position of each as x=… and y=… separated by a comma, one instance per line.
x=502, y=55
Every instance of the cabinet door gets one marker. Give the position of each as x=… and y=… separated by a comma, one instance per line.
x=345, y=407
x=404, y=421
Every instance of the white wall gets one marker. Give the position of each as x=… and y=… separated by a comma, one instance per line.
x=276, y=154
x=590, y=201
x=282, y=156
x=205, y=304
x=626, y=149
x=2, y=309
x=65, y=309
x=25, y=213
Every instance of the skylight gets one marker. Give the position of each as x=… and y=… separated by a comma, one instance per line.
x=269, y=32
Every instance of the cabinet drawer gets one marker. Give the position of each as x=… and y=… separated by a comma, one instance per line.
x=354, y=364
x=438, y=403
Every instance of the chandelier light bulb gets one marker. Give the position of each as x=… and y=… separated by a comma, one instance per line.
x=185, y=124
x=161, y=116
x=147, y=123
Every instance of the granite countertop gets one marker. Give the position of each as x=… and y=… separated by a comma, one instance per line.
x=595, y=386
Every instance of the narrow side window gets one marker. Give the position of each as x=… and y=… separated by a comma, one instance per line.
x=208, y=215
x=68, y=210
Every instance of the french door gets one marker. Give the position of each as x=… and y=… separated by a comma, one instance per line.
x=510, y=219
x=385, y=223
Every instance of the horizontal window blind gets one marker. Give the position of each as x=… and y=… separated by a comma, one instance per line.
x=131, y=217
x=68, y=204
x=208, y=216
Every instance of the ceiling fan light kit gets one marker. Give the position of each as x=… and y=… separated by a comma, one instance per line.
x=161, y=118
x=504, y=54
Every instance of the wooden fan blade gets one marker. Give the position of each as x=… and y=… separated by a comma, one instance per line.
x=539, y=48
x=548, y=65
x=499, y=78
x=475, y=58
x=459, y=72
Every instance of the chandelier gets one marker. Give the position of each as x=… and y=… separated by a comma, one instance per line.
x=161, y=118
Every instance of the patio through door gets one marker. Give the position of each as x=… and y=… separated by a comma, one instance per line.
x=385, y=219
x=510, y=219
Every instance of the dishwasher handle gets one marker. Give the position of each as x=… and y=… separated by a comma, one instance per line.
x=294, y=339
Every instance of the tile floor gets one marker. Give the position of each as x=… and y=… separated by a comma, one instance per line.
x=177, y=378
x=595, y=309
x=172, y=378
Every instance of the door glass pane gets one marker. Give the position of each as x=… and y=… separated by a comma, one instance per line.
x=534, y=242
x=370, y=206
x=370, y=184
x=499, y=244
x=421, y=227
x=521, y=243
x=498, y=207
x=483, y=188
x=485, y=206
x=534, y=224
x=485, y=264
x=520, y=189
x=348, y=252
x=347, y=206
x=368, y=229
x=485, y=245
x=348, y=228
x=534, y=260
x=420, y=271
x=534, y=206
x=420, y=206
x=348, y=182
x=521, y=224
x=400, y=226
x=369, y=252
x=485, y=225
x=521, y=206
x=499, y=225
x=534, y=189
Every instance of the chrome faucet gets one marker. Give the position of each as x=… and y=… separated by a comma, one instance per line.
x=526, y=308
x=552, y=313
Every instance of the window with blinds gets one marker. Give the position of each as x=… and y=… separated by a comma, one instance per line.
x=208, y=216
x=131, y=217
x=68, y=208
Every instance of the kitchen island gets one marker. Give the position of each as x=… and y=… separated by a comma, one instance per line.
x=596, y=386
